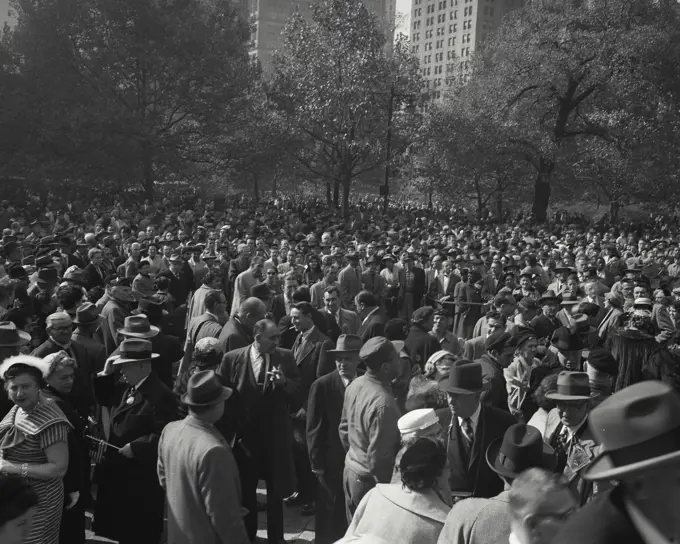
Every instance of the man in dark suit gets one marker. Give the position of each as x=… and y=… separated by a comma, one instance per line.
x=288, y=332
x=180, y=283
x=238, y=330
x=472, y=427
x=96, y=273
x=313, y=361
x=634, y=427
x=345, y=321
x=326, y=454
x=59, y=329
x=373, y=319
x=266, y=382
x=547, y=323
x=237, y=266
x=130, y=501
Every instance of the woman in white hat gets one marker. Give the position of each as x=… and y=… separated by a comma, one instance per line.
x=33, y=442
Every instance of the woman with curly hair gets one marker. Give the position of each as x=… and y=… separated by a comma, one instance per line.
x=413, y=511
x=207, y=355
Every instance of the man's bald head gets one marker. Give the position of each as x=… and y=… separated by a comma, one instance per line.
x=251, y=311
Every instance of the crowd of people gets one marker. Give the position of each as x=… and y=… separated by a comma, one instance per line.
x=409, y=376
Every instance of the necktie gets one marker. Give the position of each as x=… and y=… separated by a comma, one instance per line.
x=336, y=316
x=298, y=344
x=259, y=368
x=468, y=432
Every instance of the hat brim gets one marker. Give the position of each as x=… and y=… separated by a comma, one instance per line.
x=224, y=395
x=24, y=338
x=98, y=319
x=344, y=350
x=547, y=300
x=119, y=360
x=601, y=468
x=153, y=331
x=560, y=396
x=460, y=391
x=548, y=459
x=137, y=311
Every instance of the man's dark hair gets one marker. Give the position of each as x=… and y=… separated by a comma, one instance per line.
x=212, y=299
x=261, y=326
x=332, y=289
x=496, y=315
x=367, y=299
x=162, y=282
x=301, y=294
x=305, y=307
x=209, y=278
x=68, y=296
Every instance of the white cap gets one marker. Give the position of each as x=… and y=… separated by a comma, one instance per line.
x=644, y=302
x=417, y=420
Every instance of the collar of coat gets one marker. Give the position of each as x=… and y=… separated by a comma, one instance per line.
x=426, y=503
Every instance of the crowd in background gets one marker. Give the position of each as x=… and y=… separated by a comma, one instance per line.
x=409, y=376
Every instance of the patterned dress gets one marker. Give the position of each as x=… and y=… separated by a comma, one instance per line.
x=23, y=439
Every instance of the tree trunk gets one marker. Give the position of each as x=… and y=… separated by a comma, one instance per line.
x=345, y=197
x=256, y=189
x=148, y=171
x=480, y=204
x=336, y=194
x=499, y=205
x=329, y=197
x=542, y=189
x=614, y=209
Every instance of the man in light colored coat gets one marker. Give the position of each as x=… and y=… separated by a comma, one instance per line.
x=197, y=470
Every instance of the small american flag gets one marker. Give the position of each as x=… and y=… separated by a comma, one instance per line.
x=98, y=449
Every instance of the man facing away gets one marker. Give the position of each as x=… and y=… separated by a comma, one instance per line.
x=197, y=470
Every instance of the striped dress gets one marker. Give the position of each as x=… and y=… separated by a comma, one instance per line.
x=23, y=439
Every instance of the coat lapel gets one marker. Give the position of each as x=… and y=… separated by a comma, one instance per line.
x=479, y=437
x=307, y=347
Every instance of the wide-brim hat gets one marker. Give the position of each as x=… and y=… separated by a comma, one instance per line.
x=565, y=340
x=138, y=326
x=638, y=428
x=549, y=296
x=134, y=350
x=347, y=343
x=10, y=336
x=520, y=448
x=572, y=386
x=465, y=378
x=205, y=389
x=87, y=314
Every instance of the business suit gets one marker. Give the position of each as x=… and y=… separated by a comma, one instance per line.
x=349, y=279
x=263, y=437
x=414, y=290
x=497, y=394
x=180, y=285
x=604, y=520
x=490, y=286
x=347, y=320
x=313, y=361
x=95, y=350
x=478, y=521
x=326, y=454
x=114, y=318
x=474, y=348
x=316, y=291
x=244, y=281
x=373, y=325
x=420, y=345
x=374, y=283
x=608, y=325
x=235, y=335
x=197, y=470
x=96, y=276
x=129, y=488
x=470, y=473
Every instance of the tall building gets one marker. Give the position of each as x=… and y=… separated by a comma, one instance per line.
x=268, y=18
x=445, y=33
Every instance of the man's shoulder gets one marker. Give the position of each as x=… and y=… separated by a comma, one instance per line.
x=472, y=510
x=497, y=416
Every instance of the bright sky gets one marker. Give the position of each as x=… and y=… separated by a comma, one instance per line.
x=4, y=8
x=403, y=14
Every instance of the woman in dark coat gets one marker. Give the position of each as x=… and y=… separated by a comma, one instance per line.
x=59, y=382
x=467, y=291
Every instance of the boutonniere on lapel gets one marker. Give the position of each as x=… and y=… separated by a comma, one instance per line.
x=132, y=395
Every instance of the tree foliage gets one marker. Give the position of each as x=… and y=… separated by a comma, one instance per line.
x=124, y=89
x=579, y=90
x=342, y=93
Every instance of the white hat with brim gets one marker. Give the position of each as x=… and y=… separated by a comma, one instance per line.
x=417, y=420
x=120, y=360
x=28, y=360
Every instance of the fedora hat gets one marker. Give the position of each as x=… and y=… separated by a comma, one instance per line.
x=637, y=428
x=87, y=314
x=564, y=340
x=465, y=378
x=46, y=275
x=580, y=324
x=563, y=267
x=205, y=389
x=138, y=326
x=572, y=386
x=549, y=297
x=347, y=343
x=135, y=350
x=11, y=336
x=520, y=448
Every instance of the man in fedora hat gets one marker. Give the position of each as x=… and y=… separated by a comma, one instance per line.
x=119, y=305
x=207, y=325
x=130, y=501
x=547, y=322
x=368, y=428
x=471, y=427
x=638, y=429
x=326, y=453
x=87, y=322
x=197, y=470
x=479, y=521
x=565, y=350
x=572, y=439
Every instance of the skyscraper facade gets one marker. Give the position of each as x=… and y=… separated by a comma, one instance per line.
x=268, y=18
x=445, y=33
